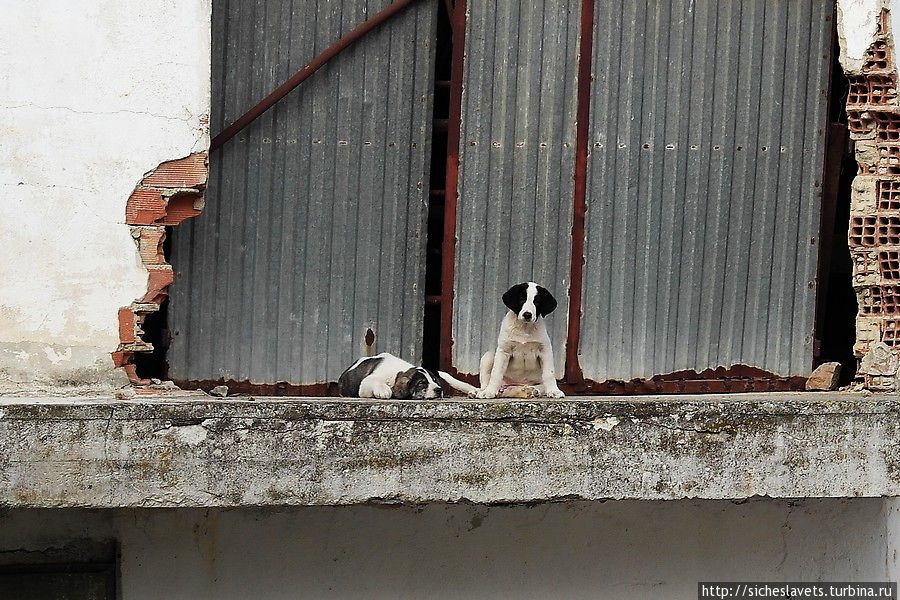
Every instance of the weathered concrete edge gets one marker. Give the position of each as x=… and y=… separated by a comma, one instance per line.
x=583, y=407
x=193, y=451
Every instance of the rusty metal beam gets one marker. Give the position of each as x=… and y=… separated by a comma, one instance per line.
x=573, y=372
x=303, y=74
x=448, y=255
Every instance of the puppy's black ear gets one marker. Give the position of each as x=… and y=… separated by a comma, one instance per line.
x=402, y=388
x=544, y=301
x=514, y=297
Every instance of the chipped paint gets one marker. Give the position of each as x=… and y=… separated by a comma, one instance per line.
x=605, y=423
x=856, y=25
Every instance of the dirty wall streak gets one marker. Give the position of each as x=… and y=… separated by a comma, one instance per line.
x=704, y=196
x=312, y=231
x=517, y=153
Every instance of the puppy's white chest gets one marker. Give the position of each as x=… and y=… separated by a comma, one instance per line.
x=524, y=364
x=526, y=350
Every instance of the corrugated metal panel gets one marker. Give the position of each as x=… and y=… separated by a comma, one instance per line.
x=314, y=220
x=517, y=149
x=706, y=154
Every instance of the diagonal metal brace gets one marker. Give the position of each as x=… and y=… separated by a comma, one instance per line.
x=303, y=74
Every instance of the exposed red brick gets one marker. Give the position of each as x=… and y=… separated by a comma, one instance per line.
x=181, y=207
x=120, y=359
x=188, y=172
x=867, y=90
x=859, y=121
x=160, y=279
x=126, y=325
x=145, y=207
x=874, y=236
x=167, y=196
x=883, y=26
x=131, y=372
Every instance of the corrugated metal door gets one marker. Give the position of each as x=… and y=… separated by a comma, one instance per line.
x=313, y=231
x=516, y=161
x=704, y=198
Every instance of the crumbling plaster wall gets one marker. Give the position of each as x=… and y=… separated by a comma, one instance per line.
x=93, y=95
x=868, y=59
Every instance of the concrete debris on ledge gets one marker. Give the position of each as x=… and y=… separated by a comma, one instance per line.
x=824, y=377
x=192, y=450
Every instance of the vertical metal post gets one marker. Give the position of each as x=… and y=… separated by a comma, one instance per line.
x=573, y=374
x=448, y=259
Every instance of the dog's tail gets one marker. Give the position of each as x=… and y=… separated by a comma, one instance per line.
x=458, y=385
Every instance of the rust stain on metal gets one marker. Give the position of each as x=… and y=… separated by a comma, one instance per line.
x=721, y=380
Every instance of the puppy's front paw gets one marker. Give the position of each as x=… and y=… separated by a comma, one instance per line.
x=555, y=393
x=383, y=392
x=486, y=393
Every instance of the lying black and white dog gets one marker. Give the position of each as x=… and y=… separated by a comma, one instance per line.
x=387, y=376
x=522, y=364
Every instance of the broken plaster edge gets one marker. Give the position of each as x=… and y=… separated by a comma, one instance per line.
x=856, y=27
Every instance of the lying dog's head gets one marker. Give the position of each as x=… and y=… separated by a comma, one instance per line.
x=418, y=384
x=529, y=301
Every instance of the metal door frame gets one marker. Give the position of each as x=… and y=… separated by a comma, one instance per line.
x=719, y=380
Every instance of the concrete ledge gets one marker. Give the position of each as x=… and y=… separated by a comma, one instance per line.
x=191, y=450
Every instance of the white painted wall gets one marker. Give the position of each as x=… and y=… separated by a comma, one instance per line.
x=892, y=535
x=856, y=23
x=612, y=550
x=93, y=94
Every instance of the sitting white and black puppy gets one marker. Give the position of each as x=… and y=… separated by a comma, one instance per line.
x=522, y=364
x=387, y=376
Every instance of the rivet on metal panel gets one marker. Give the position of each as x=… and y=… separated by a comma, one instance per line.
x=303, y=74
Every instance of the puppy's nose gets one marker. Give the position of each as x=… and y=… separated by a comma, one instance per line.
x=526, y=316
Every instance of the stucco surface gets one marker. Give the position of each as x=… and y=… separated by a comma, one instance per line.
x=92, y=95
x=856, y=30
x=627, y=550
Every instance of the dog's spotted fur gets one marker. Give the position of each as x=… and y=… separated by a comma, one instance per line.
x=522, y=364
x=387, y=376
